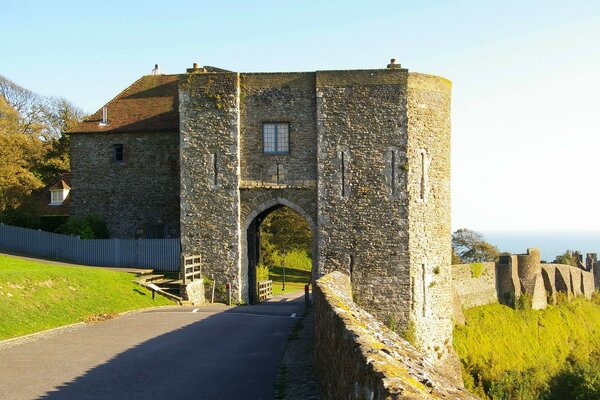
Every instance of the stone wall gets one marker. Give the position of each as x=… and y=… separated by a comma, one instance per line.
x=210, y=170
x=362, y=136
x=357, y=357
x=475, y=290
x=130, y=195
x=428, y=185
x=278, y=97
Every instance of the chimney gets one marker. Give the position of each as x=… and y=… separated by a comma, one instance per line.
x=104, y=121
x=393, y=65
x=195, y=69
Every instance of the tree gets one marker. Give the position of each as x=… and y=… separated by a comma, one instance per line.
x=33, y=151
x=283, y=231
x=567, y=258
x=19, y=155
x=471, y=247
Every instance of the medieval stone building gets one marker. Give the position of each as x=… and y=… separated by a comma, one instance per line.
x=362, y=155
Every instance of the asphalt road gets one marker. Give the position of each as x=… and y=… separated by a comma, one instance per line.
x=215, y=352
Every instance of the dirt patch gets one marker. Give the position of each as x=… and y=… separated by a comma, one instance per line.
x=94, y=319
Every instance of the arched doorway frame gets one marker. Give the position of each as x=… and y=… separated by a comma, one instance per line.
x=257, y=211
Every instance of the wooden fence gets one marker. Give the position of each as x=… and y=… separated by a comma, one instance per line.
x=159, y=254
x=191, y=268
x=265, y=290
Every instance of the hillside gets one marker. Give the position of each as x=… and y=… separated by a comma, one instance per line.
x=35, y=296
x=518, y=354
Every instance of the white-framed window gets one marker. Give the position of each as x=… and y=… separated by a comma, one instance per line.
x=276, y=137
x=58, y=196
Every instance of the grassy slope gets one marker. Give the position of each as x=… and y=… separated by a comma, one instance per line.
x=36, y=296
x=297, y=272
x=295, y=279
x=497, y=339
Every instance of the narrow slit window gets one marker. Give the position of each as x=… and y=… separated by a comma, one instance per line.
x=393, y=183
x=343, y=167
x=215, y=169
x=424, y=279
x=422, y=196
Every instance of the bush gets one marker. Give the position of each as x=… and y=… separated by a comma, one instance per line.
x=523, y=302
x=262, y=273
x=476, y=270
x=91, y=227
x=580, y=381
x=298, y=259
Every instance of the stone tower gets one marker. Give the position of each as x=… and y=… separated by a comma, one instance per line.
x=367, y=165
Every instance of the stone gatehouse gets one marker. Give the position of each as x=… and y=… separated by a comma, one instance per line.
x=362, y=155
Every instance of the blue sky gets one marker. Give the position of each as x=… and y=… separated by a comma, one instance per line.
x=525, y=77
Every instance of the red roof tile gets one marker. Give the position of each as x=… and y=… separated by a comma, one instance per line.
x=150, y=104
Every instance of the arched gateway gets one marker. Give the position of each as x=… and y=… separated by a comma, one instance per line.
x=251, y=244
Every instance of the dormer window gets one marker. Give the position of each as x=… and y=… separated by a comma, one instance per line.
x=59, y=193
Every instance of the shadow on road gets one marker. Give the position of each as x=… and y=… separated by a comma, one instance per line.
x=229, y=355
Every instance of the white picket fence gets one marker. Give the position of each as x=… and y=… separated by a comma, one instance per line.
x=159, y=254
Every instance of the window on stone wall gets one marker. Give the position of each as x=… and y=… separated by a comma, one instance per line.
x=276, y=138
x=118, y=155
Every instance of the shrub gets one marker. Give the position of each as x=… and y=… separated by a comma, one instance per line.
x=91, y=227
x=476, y=269
x=523, y=302
x=262, y=273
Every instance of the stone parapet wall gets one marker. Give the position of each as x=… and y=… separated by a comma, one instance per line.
x=357, y=357
x=475, y=284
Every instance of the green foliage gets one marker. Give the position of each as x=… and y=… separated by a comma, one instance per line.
x=524, y=302
x=35, y=296
x=476, y=269
x=567, y=258
x=285, y=230
x=33, y=151
x=471, y=247
x=410, y=333
x=580, y=380
x=524, y=354
x=262, y=273
x=91, y=227
x=392, y=324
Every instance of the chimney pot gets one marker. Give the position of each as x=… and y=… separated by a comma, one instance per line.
x=393, y=64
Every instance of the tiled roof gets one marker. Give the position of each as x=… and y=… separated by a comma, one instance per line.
x=61, y=184
x=150, y=104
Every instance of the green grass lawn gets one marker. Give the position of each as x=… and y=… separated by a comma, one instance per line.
x=35, y=296
x=295, y=279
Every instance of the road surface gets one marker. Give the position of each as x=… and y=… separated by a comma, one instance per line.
x=214, y=352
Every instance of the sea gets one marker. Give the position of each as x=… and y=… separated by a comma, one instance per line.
x=550, y=244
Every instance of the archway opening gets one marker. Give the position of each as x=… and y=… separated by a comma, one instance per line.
x=280, y=246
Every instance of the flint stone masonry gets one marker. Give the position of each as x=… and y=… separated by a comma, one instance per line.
x=193, y=292
x=357, y=357
x=368, y=167
x=143, y=190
